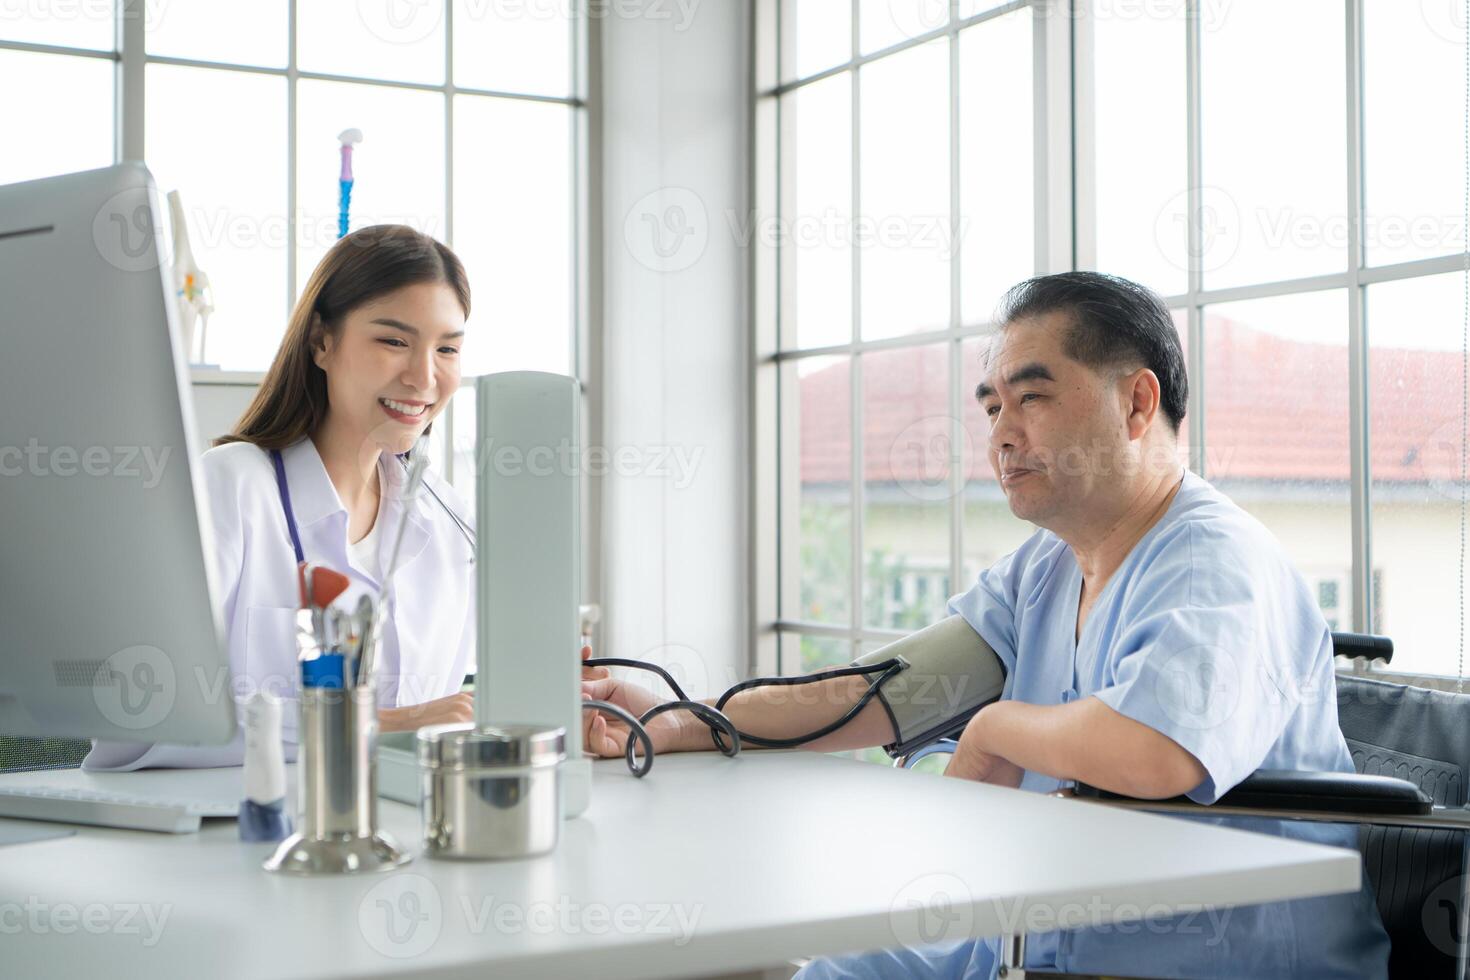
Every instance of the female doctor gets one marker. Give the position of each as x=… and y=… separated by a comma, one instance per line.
x=314, y=471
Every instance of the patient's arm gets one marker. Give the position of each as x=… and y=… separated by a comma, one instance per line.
x=786, y=712
x=1084, y=740
x=769, y=712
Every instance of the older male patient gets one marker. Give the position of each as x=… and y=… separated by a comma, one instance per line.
x=1156, y=639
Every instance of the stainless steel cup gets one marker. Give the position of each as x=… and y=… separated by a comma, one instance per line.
x=338, y=761
x=490, y=792
x=337, y=786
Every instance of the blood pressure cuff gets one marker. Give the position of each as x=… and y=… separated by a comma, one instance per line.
x=949, y=673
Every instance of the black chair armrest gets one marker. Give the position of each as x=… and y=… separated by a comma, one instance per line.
x=1315, y=792
x=1362, y=645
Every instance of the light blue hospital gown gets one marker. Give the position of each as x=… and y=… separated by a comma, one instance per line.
x=1207, y=634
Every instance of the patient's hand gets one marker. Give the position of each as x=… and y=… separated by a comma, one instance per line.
x=972, y=761
x=455, y=708
x=607, y=735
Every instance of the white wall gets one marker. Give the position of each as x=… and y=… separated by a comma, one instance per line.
x=675, y=100
x=219, y=402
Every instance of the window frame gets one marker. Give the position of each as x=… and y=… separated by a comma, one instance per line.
x=131, y=59
x=773, y=341
x=1354, y=280
x=1066, y=238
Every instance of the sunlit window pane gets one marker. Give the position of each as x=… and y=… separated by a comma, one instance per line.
x=997, y=222
x=815, y=35
x=513, y=231
x=816, y=490
x=206, y=30
x=1141, y=147
x=904, y=200
x=398, y=168
x=234, y=201
x=513, y=47
x=908, y=456
x=387, y=39
x=90, y=24
x=462, y=404
x=816, y=220
x=882, y=23
x=1417, y=436
x=78, y=90
x=1274, y=200
x=1413, y=130
x=801, y=654
x=1276, y=428
x=58, y=87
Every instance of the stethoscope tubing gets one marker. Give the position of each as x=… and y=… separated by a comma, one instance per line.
x=284, y=489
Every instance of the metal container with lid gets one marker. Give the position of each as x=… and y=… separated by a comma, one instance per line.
x=490, y=792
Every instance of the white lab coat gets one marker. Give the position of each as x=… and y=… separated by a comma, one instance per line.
x=429, y=630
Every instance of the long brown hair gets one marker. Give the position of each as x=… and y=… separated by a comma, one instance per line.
x=370, y=262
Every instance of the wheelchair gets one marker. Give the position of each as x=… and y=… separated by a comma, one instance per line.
x=1410, y=746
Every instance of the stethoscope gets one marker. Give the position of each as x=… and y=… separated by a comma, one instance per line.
x=285, y=491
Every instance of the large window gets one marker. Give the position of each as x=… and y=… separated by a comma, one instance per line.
x=75, y=85
x=900, y=140
x=1291, y=176
x=471, y=113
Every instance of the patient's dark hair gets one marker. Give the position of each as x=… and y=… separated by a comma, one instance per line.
x=1115, y=323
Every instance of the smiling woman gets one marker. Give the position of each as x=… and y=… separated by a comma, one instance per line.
x=312, y=472
x=347, y=308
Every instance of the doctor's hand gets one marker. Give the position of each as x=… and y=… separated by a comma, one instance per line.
x=972, y=761
x=606, y=736
x=455, y=708
x=593, y=673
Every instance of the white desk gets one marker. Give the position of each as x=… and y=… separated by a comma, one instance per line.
x=766, y=857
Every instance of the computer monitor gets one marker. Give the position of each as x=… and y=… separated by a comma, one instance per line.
x=108, y=624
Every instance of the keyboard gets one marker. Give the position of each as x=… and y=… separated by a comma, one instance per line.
x=110, y=808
